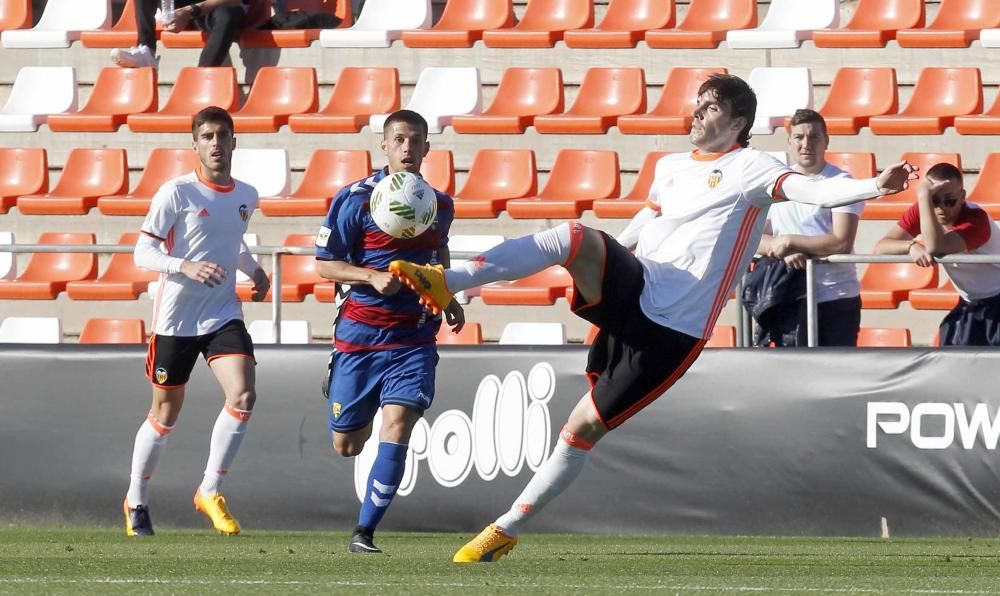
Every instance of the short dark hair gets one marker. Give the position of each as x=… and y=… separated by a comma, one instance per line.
x=737, y=93
x=407, y=116
x=211, y=114
x=807, y=116
x=944, y=172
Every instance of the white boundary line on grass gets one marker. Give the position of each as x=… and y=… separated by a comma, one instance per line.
x=493, y=584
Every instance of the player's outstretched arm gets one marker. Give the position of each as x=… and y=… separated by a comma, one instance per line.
x=345, y=273
x=840, y=191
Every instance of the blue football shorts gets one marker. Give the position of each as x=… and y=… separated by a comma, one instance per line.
x=364, y=381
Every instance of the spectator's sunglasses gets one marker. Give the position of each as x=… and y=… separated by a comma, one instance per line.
x=946, y=202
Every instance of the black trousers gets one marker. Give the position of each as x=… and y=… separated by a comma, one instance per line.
x=837, y=324
x=222, y=24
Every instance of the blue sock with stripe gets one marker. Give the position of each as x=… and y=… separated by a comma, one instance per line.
x=387, y=471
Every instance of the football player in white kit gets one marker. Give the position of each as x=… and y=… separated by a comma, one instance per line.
x=655, y=310
x=199, y=219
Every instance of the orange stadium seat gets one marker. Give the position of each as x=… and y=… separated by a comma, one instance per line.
x=939, y=95
x=48, y=273
x=438, y=169
x=163, y=164
x=542, y=24
x=326, y=291
x=539, y=289
x=496, y=176
x=884, y=337
x=885, y=285
x=87, y=175
x=858, y=165
x=857, y=94
x=604, y=95
x=672, y=114
x=194, y=89
x=122, y=280
x=277, y=93
x=942, y=298
x=117, y=93
x=987, y=123
x=328, y=171
x=124, y=34
x=462, y=24
x=359, y=93
x=986, y=192
x=297, y=38
x=298, y=273
x=873, y=24
x=471, y=334
x=523, y=94
x=577, y=178
x=705, y=25
x=723, y=336
x=893, y=206
x=624, y=24
x=22, y=172
x=113, y=331
x=631, y=203
x=15, y=14
x=957, y=25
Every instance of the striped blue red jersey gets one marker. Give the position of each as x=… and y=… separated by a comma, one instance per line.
x=368, y=320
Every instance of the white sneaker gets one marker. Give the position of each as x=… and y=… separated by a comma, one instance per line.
x=136, y=57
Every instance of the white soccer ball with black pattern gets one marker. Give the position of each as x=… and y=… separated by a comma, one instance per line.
x=403, y=205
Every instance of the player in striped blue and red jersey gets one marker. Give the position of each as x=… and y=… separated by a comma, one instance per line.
x=384, y=340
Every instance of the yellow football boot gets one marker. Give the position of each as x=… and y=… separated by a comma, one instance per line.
x=217, y=511
x=426, y=280
x=490, y=545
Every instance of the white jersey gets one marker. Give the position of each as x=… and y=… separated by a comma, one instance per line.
x=199, y=221
x=833, y=280
x=712, y=212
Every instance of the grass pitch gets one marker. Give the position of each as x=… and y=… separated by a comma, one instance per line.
x=91, y=561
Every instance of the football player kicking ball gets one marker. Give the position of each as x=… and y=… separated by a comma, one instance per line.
x=385, y=341
x=655, y=310
x=200, y=218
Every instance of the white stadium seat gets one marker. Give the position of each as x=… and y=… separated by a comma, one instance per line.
x=780, y=91
x=990, y=38
x=292, y=332
x=533, y=334
x=31, y=330
x=37, y=92
x=780, y=156
x=380, y=23
x=787, y=23
x=61, y=24
x=8, y=260
x=441, y=93
x=267, y=170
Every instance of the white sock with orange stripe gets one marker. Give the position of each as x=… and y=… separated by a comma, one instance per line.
x=556, y=474
x=149, y=443
x=230, y=427
x=517, y=258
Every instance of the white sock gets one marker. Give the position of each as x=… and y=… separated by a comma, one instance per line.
x=555, y=475
x=517, y=258
x=149, y=443
x=230, y=427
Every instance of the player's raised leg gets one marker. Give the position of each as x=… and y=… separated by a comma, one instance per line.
x=509, y=260
x=236, y=375
x=150, y=441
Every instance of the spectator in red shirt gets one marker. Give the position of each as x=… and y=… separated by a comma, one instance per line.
x=222, y=19
x=941, y=223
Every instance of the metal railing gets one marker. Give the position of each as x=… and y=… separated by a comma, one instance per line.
x=272, y=251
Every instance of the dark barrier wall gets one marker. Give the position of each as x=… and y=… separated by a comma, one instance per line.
x=749, y=442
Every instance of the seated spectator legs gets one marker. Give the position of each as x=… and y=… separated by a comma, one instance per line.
x=223, y=25
x=144, y=53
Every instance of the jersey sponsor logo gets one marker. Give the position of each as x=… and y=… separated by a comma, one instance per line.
x=714, y=178
x=335, y=409
x=324, y=236
x=204, y=212
x=161, y=375
x=933, y=425
x=244, y=213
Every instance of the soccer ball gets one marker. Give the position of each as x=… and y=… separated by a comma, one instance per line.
x=403, y=205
